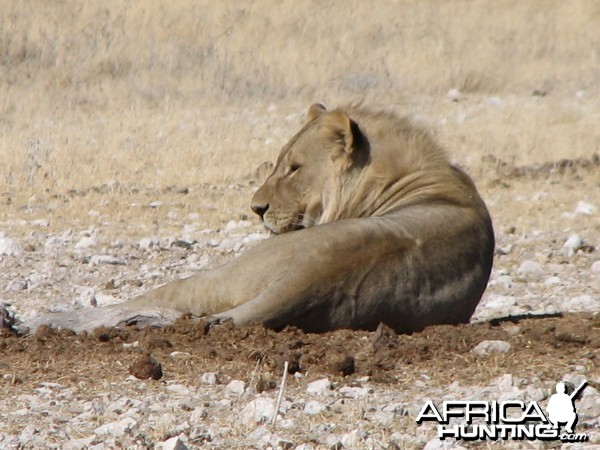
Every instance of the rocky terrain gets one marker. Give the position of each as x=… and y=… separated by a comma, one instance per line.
x=218, y=387
x=132, y=137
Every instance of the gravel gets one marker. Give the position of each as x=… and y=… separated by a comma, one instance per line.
x=536, y=273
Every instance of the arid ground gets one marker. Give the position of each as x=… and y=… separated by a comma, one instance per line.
x=138, y=131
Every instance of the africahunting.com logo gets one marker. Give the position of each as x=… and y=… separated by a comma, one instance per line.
x=514, y=420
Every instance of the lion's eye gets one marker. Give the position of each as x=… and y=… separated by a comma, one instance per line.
x=294, y=168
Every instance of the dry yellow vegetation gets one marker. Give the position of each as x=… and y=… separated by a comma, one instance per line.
x=187, y=92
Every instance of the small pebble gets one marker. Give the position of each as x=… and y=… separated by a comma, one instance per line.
x=235, y=387
x=319, y=387
x=85, y=242
x=174, y=443
x=454, y=95
x=585, y=208
x=529, y=267
x=314, y=407
x=571, y=245
x=487, y=347
x=10, y=247
x=261, y=409
x=209, y=378
x=148, y=243
x=582, y=303
x=118, y=428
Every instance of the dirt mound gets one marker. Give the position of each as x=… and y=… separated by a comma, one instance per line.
x=543, y=347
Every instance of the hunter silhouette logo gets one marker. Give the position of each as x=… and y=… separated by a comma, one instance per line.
x=510, y=419
x=561, y=407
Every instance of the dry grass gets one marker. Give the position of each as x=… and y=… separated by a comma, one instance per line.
x=182, y=93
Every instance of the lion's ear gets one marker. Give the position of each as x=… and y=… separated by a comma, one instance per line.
x=348, y=144
x=338, y=129
x=315, y=111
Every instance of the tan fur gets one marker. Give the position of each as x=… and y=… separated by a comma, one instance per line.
x=374, y=225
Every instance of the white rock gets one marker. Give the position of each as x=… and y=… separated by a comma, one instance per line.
x=505, y=250
x=179, y=389
x=500, y=301
x=582, y=303
x=104, y=300
x=261, y=437
x=535, y=393
x=171, y=422
x=571, y=245
x=210, y=378
x=314, y=407
x=148, y=243
x=487, y=347
x=224, y=403
x=10, y=247
x=587, y=209
x=40, y=223
x=503, y=280
x=106, y=259
x=287, y=424
x=333, y=441
x=36, y=278
x=180, y=355
x=354, y=392
x=86, y=242
x=79, y=444
x=529, y=266
x=589, y=403
x=174, y=443
x=596, y=267
x=454, y=95
x=189, y=229
x=319, y=387
x=552, y=281
x=16, y=285
x=261, y=409
x=198, y=414
x=234, y=225
x=88, y=297
x=505, y=382
x=235, y=387
x=118, y=428
x=227, y=244
x=438, y=444
x=53, y=243
x=155, y=204
x=28, y=433
x=166, y=243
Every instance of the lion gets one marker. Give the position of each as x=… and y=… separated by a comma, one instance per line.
x=370, y=224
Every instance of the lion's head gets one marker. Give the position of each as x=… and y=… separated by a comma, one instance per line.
x=349, y=163
x=303, y=184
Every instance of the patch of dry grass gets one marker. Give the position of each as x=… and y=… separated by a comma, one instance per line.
x=182, y=93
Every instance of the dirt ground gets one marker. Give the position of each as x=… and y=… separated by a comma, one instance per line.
x=543, y=347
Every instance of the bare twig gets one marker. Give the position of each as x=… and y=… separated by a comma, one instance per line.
x=281, y=389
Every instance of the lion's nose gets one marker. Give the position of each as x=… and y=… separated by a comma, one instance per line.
x=260, y=209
